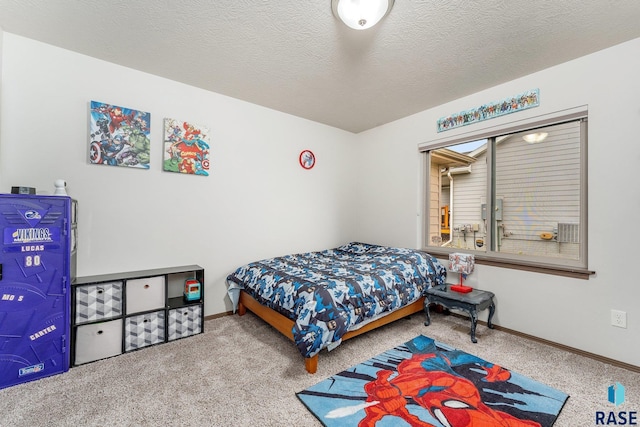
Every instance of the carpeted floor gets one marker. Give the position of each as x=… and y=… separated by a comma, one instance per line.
x=241, y=372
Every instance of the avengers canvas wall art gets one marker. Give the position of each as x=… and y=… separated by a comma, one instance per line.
x=119, y=136
x=186, y=147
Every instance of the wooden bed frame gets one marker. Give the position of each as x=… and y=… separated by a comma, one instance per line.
x=284, y=325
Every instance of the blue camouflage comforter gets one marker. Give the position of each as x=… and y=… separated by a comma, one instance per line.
x=326, y=293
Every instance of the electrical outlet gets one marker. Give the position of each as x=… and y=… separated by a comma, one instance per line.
x=619, y=318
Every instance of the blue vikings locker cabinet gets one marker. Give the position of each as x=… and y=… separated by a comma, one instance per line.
x=36, y=271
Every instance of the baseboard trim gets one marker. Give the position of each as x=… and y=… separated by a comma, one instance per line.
x=567, y=348
x=217, y=316
x=613, y=362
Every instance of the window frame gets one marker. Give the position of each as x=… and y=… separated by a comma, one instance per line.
x=562, y=267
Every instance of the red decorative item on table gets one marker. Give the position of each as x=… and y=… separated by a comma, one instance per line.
x=463, y=264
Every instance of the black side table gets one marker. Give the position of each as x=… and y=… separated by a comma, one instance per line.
x=471, y=302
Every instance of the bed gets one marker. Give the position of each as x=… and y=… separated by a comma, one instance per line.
x=319, y=299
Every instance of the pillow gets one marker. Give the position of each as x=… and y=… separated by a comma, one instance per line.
x=356, y=248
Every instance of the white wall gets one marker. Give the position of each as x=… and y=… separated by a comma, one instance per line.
x=570, y=311
x=257, y=202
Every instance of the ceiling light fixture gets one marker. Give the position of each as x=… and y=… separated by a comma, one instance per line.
x=534, y=138
x=361, y=14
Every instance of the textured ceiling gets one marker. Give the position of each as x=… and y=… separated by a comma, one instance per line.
x=294, y=56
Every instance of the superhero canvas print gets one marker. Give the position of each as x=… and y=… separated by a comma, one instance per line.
x=186, y=147
x=119, y=136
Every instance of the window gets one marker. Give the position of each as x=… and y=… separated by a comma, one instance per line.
x=513, y=195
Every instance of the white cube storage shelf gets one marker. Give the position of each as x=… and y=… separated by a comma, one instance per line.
x=117, y=313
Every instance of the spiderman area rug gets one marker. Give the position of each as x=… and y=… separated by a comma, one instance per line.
x=425, y=383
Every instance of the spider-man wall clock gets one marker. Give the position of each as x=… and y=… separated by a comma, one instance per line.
x=307, y=159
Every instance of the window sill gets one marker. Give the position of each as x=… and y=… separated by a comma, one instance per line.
x=574, y=272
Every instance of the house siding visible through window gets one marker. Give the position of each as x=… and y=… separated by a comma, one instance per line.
x=539, y=185
x=510, y=199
